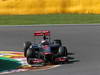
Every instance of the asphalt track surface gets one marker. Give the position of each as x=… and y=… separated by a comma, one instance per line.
x=83, y=43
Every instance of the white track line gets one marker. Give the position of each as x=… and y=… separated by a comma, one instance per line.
x=50, y=25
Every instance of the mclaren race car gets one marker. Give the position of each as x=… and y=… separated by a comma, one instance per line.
x=44, y=50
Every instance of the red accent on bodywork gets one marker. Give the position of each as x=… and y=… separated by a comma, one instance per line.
x=38, y=61
x=45, y=47
x=61, y=59
x=46, y=53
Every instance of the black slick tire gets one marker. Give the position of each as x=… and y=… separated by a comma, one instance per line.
x=26, y=46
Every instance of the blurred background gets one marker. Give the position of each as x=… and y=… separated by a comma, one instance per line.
x=49, y=6
x=30, y=12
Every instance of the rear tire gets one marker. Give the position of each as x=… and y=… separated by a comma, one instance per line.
x=26, y=46
x=58, y=42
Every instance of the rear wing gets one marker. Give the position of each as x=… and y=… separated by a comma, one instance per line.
x=42, y=33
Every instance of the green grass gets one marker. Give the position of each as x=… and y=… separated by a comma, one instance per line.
x=49, y=19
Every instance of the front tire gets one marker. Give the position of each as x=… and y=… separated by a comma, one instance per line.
x=29, y=55
x=26, y=46
x=62, y=51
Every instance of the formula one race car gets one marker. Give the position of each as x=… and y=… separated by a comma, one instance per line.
x=44, y=51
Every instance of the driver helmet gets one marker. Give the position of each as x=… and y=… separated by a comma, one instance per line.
x=44, y=42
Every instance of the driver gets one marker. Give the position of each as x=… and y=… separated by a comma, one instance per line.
x=44, y=42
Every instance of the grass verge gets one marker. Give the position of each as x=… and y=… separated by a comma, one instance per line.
x=49, y=19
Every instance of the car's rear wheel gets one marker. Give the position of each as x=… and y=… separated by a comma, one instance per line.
x=26, y=46
x=58, y=42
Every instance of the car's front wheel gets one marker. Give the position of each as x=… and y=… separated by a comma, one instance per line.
x=62, y=52
x=26, y=46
